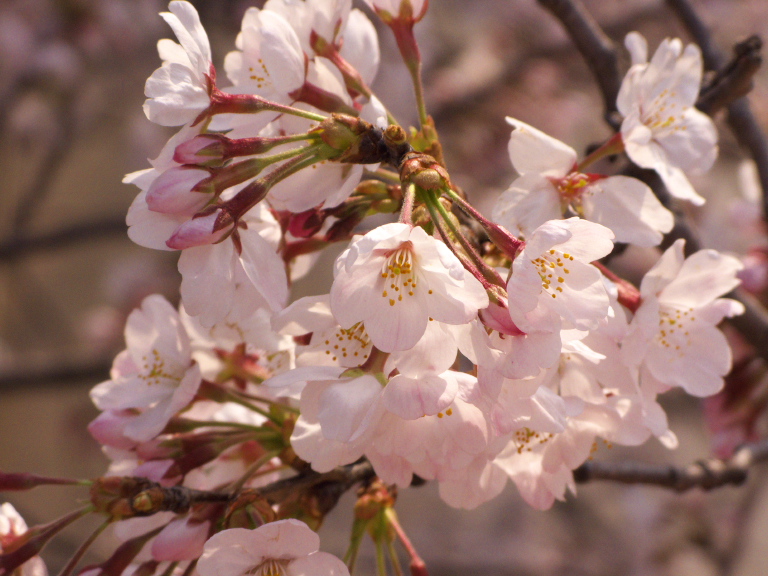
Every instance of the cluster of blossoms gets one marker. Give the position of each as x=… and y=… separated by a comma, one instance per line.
x=466, y=358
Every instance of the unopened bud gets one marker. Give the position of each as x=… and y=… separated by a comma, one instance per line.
x=424, y=171
x=428, y=179
x=179, y=191
x=306, y=224
x=395, y=134
x=202, y=150
x=341, y=132
x=496, y=317
x=202, y=230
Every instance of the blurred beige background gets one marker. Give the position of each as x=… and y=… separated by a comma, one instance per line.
x=71, y=125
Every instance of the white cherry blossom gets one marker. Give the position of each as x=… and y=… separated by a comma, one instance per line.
x=155, y=375
x=662, y=130
x=227, y=279
x=553, y=284
x=674, y=332
x=269, y=60
x=394, y=279
x=329, y=344
x=179, y=90
x=285, y=548
x=549, y=184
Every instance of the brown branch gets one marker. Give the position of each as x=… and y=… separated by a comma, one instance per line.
x=327, y=487
x=734, y=80
x=596, y=47
x=740, y=118
x=705, y=474
x=82, y=232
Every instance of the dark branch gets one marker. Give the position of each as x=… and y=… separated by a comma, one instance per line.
x=597, y=48
x=88, y=231
x=55, y=375
x=734, y=80
x=705, y=474
x=328, y=486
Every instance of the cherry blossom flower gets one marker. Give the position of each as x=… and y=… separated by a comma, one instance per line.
x=673, y=335
x=549, y=184
x=284, y=547
x=12, y=526
x=235, y=279
x=179, y=90
x=269, y=60
x=394, y=279
x=247, y=341
x=329, y=344
x=662, y=130
x=553, y=284
x=155, y=375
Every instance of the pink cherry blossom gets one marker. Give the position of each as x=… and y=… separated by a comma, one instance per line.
x=662, y=130
x=553, y=284
x=286, y=547
x=394, y=279
x=155, y=375
x=179, y=90
x=674, y=332
x=549, y=184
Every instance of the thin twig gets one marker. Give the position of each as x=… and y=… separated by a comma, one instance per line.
x=704, y=474
x=598, y=50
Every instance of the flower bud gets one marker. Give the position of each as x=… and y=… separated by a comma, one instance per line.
x=202, y=230
x=176, y=191
x=202, y=150
x=306, y=224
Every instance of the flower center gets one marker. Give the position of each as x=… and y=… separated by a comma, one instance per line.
x=261, y=77
x=661, y=113
x=270, y=567
x=552, y=270
x=573, y=188
x=526, y=439
x=674, y=334
x=153, y=371
x=351, y=344
x=399, y=275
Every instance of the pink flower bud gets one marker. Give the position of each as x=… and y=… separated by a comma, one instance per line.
x=201, y=230
x=176, y=191
x=202, y=150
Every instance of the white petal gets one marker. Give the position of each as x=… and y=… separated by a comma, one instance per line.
x=532, y=151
